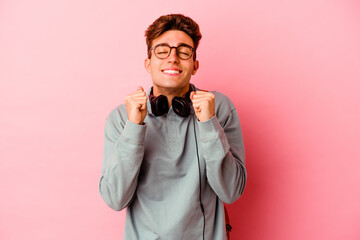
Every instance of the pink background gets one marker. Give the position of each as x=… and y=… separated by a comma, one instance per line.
x=292, y=68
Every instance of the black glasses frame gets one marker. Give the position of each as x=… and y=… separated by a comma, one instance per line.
x=176, y=49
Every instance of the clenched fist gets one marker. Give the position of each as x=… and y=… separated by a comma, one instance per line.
x=204, y=104
x=136, y=106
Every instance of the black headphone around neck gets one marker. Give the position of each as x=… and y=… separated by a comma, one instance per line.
x=181, y=105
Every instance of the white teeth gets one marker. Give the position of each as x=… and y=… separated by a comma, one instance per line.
x=171, y=71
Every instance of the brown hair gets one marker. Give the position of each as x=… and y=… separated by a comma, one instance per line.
x=173, y=22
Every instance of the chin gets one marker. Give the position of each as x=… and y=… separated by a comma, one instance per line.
x=171, y=84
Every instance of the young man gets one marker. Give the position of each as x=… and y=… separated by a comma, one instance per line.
x=172, y=156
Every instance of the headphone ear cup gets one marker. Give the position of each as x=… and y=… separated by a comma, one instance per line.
x=159, y=105
x=181, y=106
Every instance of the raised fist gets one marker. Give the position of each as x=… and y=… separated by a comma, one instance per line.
x=204, y=104
x=136, y=106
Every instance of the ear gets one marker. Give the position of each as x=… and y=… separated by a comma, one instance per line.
x=147, y=65
x=196, y=67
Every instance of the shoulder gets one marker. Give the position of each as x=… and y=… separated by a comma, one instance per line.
x=223, y=103
x=224, y=108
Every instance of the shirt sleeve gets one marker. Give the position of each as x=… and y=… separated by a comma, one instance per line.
x=123, y=155
x=223, y=150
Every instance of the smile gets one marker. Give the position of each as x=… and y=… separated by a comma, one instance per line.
x=171, y=71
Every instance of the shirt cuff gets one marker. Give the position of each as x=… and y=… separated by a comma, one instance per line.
x=134, y=133
x=210, y=130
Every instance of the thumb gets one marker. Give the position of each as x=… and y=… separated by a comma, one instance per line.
x=140, y=88
x=192, y=95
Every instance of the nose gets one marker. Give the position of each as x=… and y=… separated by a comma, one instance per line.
x=173, y=57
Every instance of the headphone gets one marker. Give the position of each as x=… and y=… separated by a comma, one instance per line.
x=181, y=105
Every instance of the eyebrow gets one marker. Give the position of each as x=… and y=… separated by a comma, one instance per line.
x=180, y=44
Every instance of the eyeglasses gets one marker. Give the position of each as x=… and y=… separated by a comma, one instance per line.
x=163, y=51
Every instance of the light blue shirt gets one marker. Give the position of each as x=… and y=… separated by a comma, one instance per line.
x=153, y=170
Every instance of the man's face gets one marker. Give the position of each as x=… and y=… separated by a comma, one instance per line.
x=173, y=73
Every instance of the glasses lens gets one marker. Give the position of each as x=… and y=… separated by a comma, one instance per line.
x=184, y=52
x=162, y=51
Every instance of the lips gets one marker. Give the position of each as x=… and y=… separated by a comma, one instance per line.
x=171, y=71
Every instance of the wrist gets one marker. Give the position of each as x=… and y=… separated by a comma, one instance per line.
x=205, y=118
x=136, y=121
